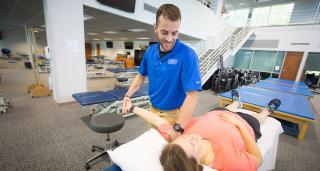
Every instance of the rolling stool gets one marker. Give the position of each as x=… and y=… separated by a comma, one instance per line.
x=105, y=123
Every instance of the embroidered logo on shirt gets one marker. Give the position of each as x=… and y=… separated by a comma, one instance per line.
x=172, y=61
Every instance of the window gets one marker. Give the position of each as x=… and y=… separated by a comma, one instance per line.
x=263, y=60
x=239, y=17
x=242, y=59
x=272, y=15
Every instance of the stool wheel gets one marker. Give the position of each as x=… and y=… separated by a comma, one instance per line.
x=87, y=166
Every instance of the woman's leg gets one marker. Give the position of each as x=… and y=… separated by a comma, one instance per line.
x=233, y=107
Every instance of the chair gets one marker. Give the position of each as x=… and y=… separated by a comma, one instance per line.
x=6, y=52
x=105, y=123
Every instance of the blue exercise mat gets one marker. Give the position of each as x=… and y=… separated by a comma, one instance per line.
x=283, y=88
x=90, y=98
x=287, y=82
x=97, y=97
x=291, y=104
x=113, y=167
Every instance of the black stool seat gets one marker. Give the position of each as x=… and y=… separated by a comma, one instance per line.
x=107, y=123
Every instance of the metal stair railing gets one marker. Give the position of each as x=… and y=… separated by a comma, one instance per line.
x=229, y=44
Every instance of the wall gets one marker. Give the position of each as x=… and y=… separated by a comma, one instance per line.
x=118, y=48
x=197, y=20
x=17, y=42
x=285, y=36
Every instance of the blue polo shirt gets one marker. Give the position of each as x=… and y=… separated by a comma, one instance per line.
x=171, y=76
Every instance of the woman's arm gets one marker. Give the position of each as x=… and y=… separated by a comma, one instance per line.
x=249, y=142
x=150, y=117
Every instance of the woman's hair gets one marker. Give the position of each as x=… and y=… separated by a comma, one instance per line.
x=174, y=158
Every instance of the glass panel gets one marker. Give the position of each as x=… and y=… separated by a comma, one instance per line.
x=239, y=17
x=260, y=16
x=280, y=14
x=313, y=62
x=279, y=60
x=242, y=59
x=263, y=61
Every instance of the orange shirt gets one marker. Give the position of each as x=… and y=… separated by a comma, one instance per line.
x=226, y=140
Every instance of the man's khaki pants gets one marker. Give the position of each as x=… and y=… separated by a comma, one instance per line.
x=170, y=115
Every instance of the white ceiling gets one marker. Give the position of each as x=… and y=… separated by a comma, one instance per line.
x=15, y=14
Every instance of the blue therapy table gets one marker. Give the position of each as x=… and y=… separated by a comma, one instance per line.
x=298, y=90
x=294, y=108
x=286, y=82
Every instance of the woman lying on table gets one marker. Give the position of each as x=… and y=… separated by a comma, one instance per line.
x=223, y=139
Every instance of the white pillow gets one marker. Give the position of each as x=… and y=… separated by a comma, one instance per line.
x=142, y=153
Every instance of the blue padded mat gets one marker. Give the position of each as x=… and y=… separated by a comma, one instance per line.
x=96, y=97
x=120, y=93
x=90, y=98
x=291, y=104
x=288, y=82
x=113, y=167
x=283, y=88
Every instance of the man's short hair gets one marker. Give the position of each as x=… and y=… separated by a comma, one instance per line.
x=168, y=11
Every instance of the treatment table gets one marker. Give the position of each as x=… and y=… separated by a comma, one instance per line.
x=294, y=108
x=111, y=101
x=286, y=82
x=287, y=88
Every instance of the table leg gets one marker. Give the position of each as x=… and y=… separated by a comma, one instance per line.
x=302, y=132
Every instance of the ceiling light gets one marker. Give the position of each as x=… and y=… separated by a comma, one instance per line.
x=96, y=39
x=123, y=38
x=87, y=17
x=143, y=38
x=241, y=3
x=137, y=30
x=110, y=32
x=106, y=38
x=35, y=31
x=94, y=34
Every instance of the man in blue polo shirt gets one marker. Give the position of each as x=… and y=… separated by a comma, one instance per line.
x=173, y=72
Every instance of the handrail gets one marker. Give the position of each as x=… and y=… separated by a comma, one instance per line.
x=229, y=43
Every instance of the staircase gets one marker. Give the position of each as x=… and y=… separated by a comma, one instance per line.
x=208, y=58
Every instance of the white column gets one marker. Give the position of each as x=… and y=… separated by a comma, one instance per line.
x=219, y=7
x=301, y=66
x=65, y=36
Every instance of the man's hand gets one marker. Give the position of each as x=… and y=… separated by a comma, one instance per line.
x=229, y=118
x=126, y=104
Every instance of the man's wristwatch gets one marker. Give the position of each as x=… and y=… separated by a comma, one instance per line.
x=177, y=127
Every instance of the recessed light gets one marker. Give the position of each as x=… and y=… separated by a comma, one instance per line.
x=110, y=32
x=143, y=38
x=241, y=3
x=123, y=38
x=94, y=34
x=106, y=38
x=137, y=30
x=87, y=17
x=35, y=31
x=96, y=39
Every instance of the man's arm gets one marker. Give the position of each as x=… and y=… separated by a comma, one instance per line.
x=137, y=82
x=188, y=108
